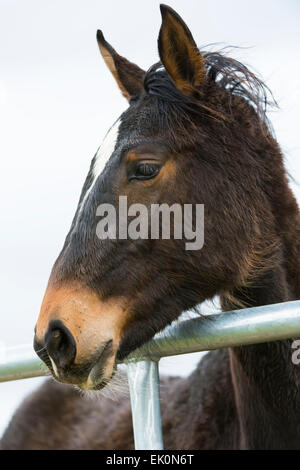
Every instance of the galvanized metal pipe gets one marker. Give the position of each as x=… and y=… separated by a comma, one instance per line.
x=143, y=379
x=222, y=330
x=239, y=327
x=23, y=369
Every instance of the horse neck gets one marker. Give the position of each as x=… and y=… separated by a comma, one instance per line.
x=266, y=382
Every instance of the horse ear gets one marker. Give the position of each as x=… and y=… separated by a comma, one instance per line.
x=178, y=52
x=128, y=76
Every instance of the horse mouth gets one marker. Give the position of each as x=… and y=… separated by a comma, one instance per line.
x=91, y=375
x=103, y=370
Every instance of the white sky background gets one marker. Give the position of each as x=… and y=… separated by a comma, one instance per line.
x=57, y=100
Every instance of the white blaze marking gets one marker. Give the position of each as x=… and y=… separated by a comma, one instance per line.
x=104, y=153
x=106, y=150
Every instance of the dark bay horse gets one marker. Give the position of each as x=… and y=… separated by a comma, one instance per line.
x=195, y=132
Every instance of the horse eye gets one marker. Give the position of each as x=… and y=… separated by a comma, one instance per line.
x=146, y=171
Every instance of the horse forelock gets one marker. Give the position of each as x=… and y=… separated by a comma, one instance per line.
x=228, y=74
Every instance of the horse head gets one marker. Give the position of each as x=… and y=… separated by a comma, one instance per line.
x=194, y=133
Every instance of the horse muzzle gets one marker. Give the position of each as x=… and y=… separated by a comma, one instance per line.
x=78, y=335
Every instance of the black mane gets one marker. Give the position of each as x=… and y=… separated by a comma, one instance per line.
x=226, y=73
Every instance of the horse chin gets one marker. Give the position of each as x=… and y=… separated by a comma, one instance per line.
x=99, y=378
x=93, y=382
x=92, y=377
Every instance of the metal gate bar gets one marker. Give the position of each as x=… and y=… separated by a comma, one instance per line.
x=23, y=369
x=143, y=379
x=223, y=330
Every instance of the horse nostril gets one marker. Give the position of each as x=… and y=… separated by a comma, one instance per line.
x=60, y=344
x=40, y=349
